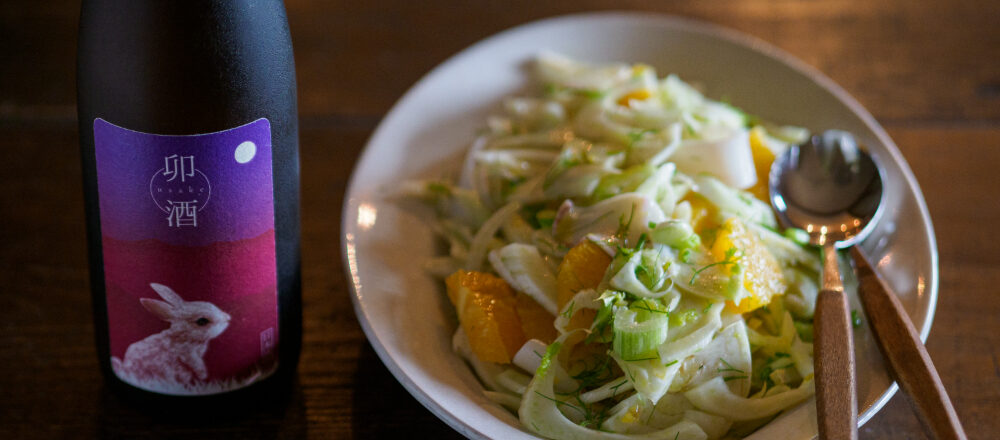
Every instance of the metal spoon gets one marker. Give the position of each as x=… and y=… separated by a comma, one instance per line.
x=833, y=190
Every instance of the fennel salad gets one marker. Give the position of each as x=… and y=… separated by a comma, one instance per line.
x=614, y=265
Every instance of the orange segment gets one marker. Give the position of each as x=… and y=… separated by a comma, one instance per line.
x=487, y=311
x=638, y=95
x=763, y=157
x=536, y=322
x=703, y=213
x=582, y=268
x=582, y=318
x=762, y=276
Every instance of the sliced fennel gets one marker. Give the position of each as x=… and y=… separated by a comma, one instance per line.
x=652, y=344
x=716, y=398
x=486, y=371
x=529, y=358
x=724, y=154
x=523, y=267
x=508, y=401
x=542, y=411
x=627, y=215
x=484, y=237
x=734, y=202
x=677, y=234
x=649, y=377
x=727, y=356
x=647, y=273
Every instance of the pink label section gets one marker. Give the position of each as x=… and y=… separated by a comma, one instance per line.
x=189, y=257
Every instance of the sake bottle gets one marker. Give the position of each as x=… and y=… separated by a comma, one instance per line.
x=189, y=143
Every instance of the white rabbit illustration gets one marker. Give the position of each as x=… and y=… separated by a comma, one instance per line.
x=172, y=358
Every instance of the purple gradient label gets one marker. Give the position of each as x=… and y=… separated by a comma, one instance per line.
x=187, y=226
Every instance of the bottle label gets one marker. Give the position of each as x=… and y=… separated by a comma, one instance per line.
x=187, y=226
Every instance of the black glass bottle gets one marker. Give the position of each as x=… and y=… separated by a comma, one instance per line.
x=189, y=143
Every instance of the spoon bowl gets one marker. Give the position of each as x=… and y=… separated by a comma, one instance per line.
x=828, y=187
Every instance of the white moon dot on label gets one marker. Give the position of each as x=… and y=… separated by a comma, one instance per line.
x=246, y=151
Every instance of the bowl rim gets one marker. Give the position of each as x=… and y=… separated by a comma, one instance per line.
x=685, y=24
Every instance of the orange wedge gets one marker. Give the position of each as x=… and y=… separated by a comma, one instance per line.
x=638, y=95
x=487, y=311
x=703, y=213
x=536, y=322
x=763, y=157
x=582, y=268
x=762, y=277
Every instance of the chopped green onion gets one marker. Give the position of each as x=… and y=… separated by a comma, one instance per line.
x=679, y=319
x=590, y=94
x=797, y=235
x=637, y=333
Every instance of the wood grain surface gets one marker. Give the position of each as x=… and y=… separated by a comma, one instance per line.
x=929, y=71
x=833, y=355
x=906, y=357
x=836, y=386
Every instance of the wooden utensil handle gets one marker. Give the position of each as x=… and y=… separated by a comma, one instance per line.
x=836, y=399
x=907, y=358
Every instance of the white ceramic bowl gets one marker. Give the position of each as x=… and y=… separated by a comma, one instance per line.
x=405, y=313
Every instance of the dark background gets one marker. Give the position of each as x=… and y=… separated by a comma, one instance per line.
x=929, y=71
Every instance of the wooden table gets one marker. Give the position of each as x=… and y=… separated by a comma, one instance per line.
x=928, y=70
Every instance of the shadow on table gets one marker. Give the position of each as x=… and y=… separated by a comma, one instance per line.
x=278, y=415
x=384, y=409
